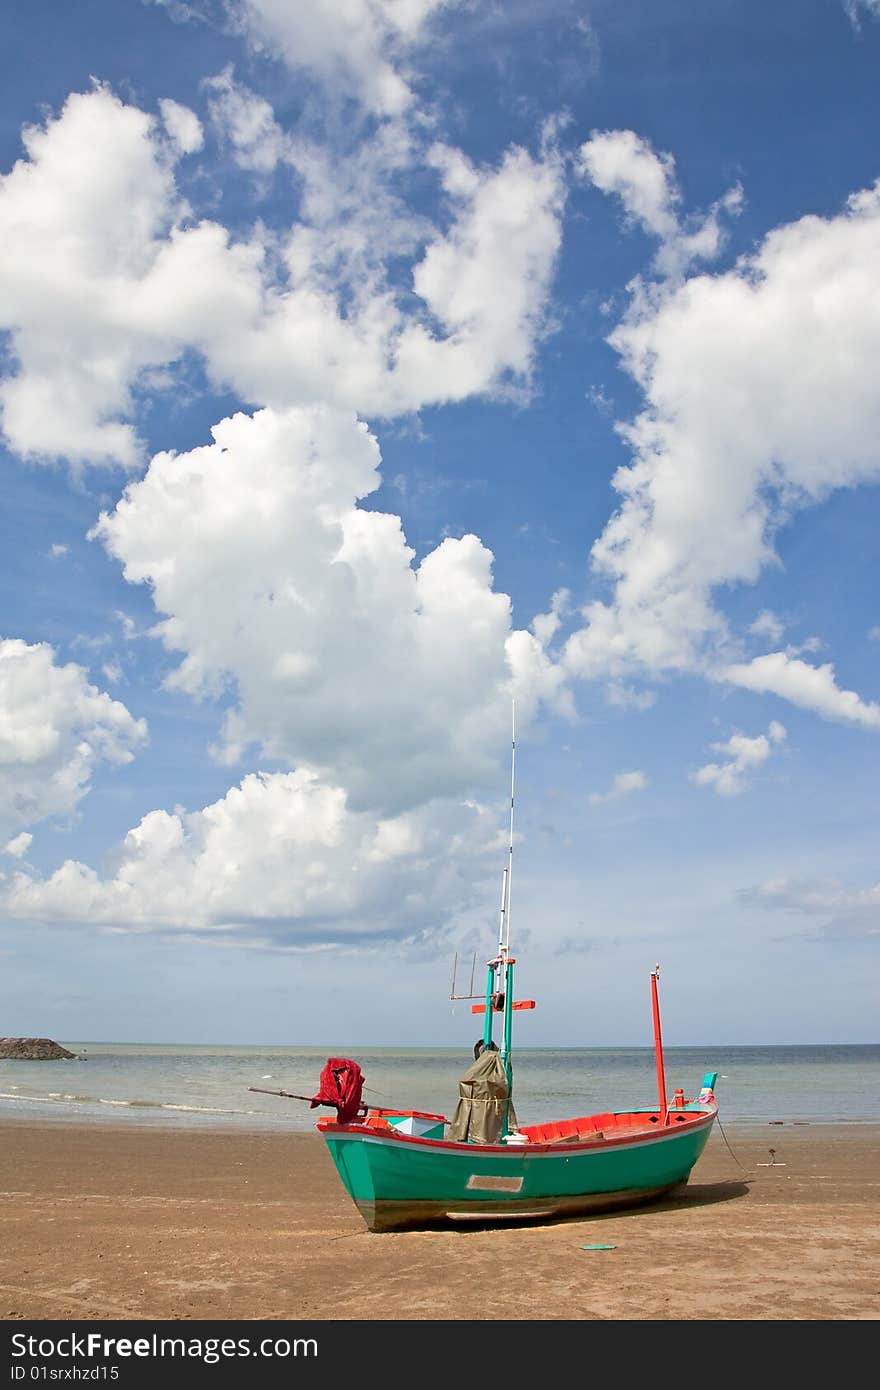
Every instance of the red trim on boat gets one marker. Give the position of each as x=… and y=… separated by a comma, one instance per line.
x=628, y=1135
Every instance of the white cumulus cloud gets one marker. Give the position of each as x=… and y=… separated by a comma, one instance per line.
x=392, y=678
x=19, y=845
x=54, y=728
x=811, y=687
x=623, y=163
x=106, y=276
x=760, y=397
x=768, y=625
x=280, y=860
x=248, y=122
x=743, y=755
x=623, y=784
x=359, y=48
x=98, y=279
x=182, y=125
x=486, y=279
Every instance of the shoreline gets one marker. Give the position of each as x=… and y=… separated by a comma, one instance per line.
x=123, y=1221
x=179, y=1119
x=116, y=1117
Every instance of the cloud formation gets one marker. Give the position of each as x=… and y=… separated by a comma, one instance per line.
x=55, y=727
x=853, y=913
x=810, y=687
x=81, y=220
x=381, y=684
x=106, y=275
x=768, y=625
x=854, y=8
x=359, y=49
x=744, y=755
x=281, y=860
x=392, y=678
x=624, y=164
x=19, y=845
x=622, y=784
x=760, y=398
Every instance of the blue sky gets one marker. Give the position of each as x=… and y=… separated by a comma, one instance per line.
x=368, y=365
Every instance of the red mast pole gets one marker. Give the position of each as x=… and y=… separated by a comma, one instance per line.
x=658, y=1047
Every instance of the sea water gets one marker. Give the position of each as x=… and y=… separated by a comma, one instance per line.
x=211, y=1087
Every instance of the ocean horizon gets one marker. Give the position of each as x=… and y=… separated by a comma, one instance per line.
x=209, y=1085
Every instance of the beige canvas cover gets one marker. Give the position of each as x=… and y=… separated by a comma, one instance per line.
x=480, y=1113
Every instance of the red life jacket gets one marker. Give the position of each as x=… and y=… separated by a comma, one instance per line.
x=340, y=1085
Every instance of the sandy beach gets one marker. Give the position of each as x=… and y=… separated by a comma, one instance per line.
x=108, y=1221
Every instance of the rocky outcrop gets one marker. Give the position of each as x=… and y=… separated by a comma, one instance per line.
x=33, y=1050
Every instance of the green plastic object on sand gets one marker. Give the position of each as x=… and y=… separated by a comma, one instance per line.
x=598, y=1247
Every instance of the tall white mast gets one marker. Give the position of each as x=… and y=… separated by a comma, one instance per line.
x=504, y=928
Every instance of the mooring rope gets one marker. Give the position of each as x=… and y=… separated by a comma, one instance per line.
x=730, y=1150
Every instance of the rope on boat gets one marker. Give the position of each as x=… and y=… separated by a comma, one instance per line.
x=730, y=1150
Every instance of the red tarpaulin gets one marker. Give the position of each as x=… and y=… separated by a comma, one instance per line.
x=340, y=1085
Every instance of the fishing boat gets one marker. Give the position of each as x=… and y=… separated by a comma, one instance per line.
x=405, y=1168
x=409, y=1168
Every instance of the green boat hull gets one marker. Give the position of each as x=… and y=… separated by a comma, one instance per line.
x=397, y=1181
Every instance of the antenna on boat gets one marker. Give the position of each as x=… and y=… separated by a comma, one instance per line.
x=498, y=997
x=507, y=876
x=470, y=994
x=495, y=997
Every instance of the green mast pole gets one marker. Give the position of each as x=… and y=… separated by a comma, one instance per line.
x=508, y=1011
x=490, y=990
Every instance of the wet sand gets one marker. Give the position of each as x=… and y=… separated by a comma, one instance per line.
x=112, y=1221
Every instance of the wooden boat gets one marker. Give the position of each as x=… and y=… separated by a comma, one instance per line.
x=410, y=1168
x=406, y=1167
x=401, y=1169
